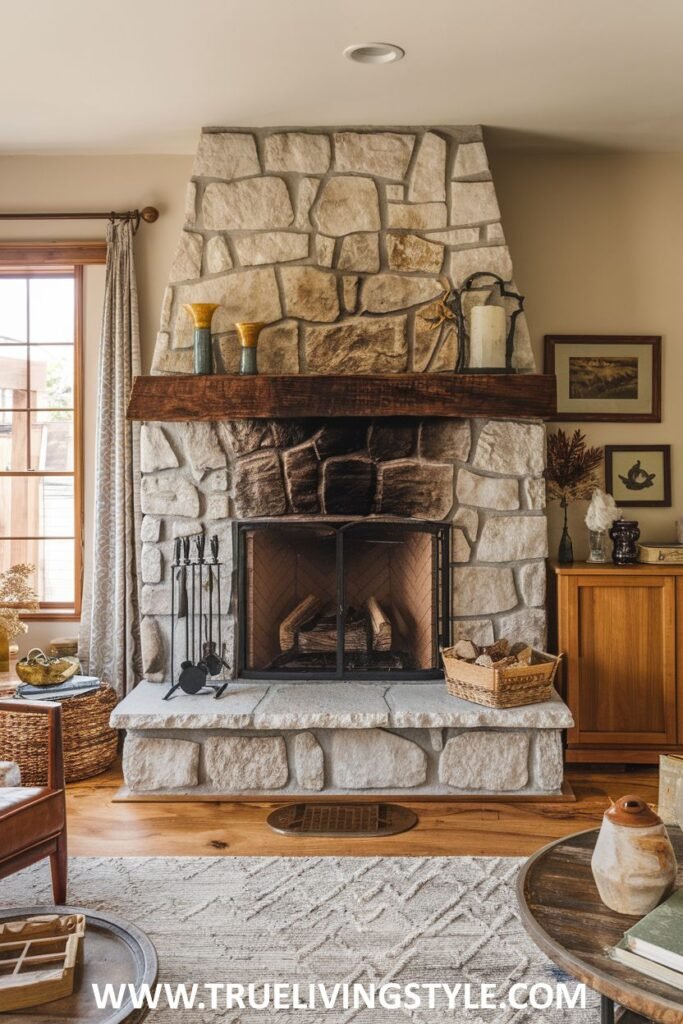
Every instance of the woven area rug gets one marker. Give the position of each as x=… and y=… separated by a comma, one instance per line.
x=329, y=920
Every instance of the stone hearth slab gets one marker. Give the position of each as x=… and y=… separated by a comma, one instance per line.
x=430, y=706
x=144, y=708
x=323, y=706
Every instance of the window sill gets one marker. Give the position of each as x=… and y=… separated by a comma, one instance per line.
x=52, y=615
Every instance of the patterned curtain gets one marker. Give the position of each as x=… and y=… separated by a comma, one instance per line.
x=109, y=643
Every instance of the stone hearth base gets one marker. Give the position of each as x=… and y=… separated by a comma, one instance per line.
x=291, y=740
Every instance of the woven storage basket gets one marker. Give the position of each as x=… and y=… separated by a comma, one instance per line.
x=508, y=687
x=90, y=745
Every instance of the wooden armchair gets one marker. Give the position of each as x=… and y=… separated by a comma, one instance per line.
x=33, y=818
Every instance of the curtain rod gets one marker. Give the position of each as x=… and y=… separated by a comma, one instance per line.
x=148, y=213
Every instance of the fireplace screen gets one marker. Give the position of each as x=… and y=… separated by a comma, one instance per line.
x=336, y=599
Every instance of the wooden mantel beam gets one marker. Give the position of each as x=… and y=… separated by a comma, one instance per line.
x=233, y=397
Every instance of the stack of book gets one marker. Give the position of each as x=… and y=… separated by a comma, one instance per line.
x=73, y=687
x=654, y=946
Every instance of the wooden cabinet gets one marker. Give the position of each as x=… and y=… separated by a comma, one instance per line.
x=621, y=630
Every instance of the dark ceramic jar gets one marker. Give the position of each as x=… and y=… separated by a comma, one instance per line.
x=624, y=533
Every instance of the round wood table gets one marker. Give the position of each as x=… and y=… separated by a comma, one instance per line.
x=561, y=910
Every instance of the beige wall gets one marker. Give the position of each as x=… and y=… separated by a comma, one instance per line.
x=595, y=240
x=596, y=244
x=98, y=183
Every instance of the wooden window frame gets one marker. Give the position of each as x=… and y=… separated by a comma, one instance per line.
x=20, y=259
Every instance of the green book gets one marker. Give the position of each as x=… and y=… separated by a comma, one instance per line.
x=649, y=968
x=659, y=935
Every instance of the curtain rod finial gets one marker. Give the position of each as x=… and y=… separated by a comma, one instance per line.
x=149, y=214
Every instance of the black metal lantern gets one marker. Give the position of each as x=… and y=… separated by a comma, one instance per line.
x=454, y=302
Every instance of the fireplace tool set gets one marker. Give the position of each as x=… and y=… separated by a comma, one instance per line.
x=196, y=623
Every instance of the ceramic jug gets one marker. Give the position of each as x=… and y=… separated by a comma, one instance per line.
x=634, y=865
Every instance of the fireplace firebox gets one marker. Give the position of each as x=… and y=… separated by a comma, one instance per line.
x=342, y=599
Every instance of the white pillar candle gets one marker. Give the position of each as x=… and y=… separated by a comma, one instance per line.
x=488, y=327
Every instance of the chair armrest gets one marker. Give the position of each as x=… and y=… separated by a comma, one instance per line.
x=53, y=711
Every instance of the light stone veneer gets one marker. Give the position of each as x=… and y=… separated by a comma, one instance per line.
x=428, y=742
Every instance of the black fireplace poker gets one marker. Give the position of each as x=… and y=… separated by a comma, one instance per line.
x=203, y=656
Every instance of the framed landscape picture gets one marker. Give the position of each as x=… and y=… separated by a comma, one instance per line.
x=639, y=474
x=613, y=378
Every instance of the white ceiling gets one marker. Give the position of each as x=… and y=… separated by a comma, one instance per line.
x=142, y=76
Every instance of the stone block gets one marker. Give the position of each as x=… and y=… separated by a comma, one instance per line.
x=471, y=162
x=511, y=538
x=420, y=489
x=271, y=247
x=349, y=486
x=495, y=234
x=511, y=448
x=240, y=763
x=391, y=439
x=324, y=250
x=243, y=295
x=350, y=292
x=10, y=774
x=244, y=436
x=445, y=439
x=217, y=481
x=341, y=437
x=143, y=708
x=300, y=152
x=533, y=489
x=155, y=450
x=151, y=764
x=455, y=236
x=383, y=293
x=150, y=530
x=417, y=216
x=434, y=347
x=347, y=204
x=153, y=659
x=481, y=759
x=359, y=252
x=428, y=179
x=155, y=600
x=374, y=759
x=278, y=348
x=460, y=548
x=531, y=580
x=217, y=507
x=528, y=625
x=169, y=495
x=259, y=487
x=487, y=491
x=468, y=519
x=352, y=706
x=412, y=253
x=547, y=763
x=309, y=762
x=301, y=467
x=150, y=564
x=201, y=447
x=187, y=261
x=431, y=706
x=305, y=197
x=494, y=259
x=384, y=154
x=479, y=631
x=358, y=345
x=480, y=590
x=226, y=155
x=310, y=294
x=217, y=255
x=190, y=209
x=255, y=204
x=473, y=202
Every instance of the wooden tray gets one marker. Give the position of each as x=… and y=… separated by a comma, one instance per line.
x=115, y=952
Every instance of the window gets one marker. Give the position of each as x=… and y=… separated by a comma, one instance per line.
x=41, y=483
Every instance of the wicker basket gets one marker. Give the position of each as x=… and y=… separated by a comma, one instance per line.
x=508, y=687
x=90, y=745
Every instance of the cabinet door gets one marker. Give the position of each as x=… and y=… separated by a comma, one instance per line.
x=621, y=671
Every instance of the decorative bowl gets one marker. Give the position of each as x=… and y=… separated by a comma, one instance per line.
x=40, y=670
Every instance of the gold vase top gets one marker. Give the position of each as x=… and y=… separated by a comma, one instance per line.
x=249, y=333
x=201, y=312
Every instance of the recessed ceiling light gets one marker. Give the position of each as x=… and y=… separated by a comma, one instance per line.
x=374, y=53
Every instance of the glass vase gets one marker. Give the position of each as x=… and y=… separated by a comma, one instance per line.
x=598, y=546
x=202, y=313
x=249, y=335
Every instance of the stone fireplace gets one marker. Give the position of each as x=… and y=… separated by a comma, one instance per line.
x=355, y=546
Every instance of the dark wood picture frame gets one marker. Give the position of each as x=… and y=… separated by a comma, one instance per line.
x=552, y=341
x=665, y=450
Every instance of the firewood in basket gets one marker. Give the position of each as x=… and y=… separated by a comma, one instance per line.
x=485, y=660
x=380, y=626
x=466, y=650
x=290, y=626
x=499, y=650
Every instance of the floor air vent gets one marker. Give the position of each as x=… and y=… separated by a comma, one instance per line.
x=343, y=819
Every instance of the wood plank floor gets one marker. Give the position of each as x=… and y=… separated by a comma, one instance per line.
x=99, y=827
